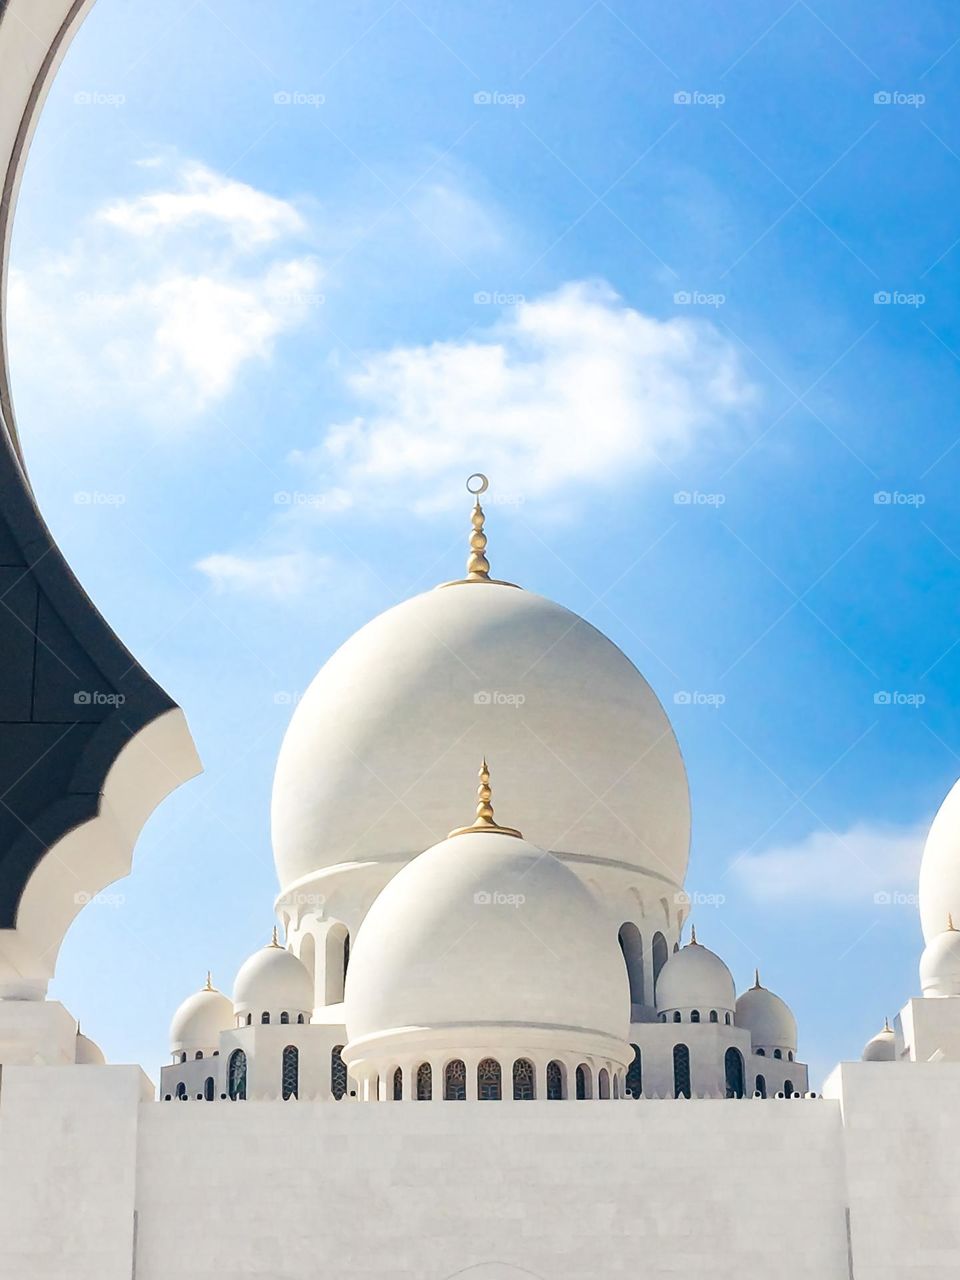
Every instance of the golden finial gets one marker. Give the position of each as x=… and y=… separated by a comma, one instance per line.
x=274, y=941
x=485, y=820
x=209, y=986
x=887, y=1026
x=756, y=979
x=950, y=925
x=693, y=936
x=478, y=566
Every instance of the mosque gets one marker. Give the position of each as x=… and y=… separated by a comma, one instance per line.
x=426, y=951
x=488, y=908
x=428, y=960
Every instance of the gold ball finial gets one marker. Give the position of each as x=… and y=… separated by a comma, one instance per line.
x=274, y=941
x=693, y=936
x=886, y=1025
x=951, y=927
x=478, y=566
x=485, y=820
x=209, y=986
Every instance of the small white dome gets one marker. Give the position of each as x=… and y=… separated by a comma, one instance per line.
x=272, y=981
x=199, y=1020
x=940, y=964
x=695, y=978
x=881, y=1048
x=939, y=888
x=768, y=1019
x=487, y=932
x=87, y=1053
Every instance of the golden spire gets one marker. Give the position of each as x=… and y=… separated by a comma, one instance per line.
x=274, y=941
x=756, y=979
x=485, y=820
x=693, y=936
x=950, y=925
x=478, y=566
x=209, y=986
x=887, y=1026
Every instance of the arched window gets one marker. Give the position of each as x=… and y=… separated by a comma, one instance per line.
x=726, y=1019
x=584, y=1082
x=616, y=1085
x=635, y=1075
x=424, y=1082
x=777, y=1053
x=694, y=1015
x=237, y=1075
x=663, y=1017
x=488, y=1080
x=733, y=1073
x=336, y=959
x=183, y=1057
x=713, y=1015
x=284, y=1017
x=681, y=1071
x=789, y=1055
x=290, y=1071
x=631, y=944
x=181, y=1090
x=265, y=1018
x=167, y=1097
x=398, y=1085
x=660, y=953
x=249, y=1019
x=761, y=1086
x=788, y=1088
x=603, y=1083
x=455, y=1081
x=300, y=1018
x=761, y=1053
x=208, y=1088
x=198, y=1054
x=524, y=1080
x=554, y=1081
x=338, y=1072
x=676, y=1016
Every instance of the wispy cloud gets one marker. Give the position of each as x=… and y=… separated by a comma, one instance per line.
x=575, y=386
x=283, y=576
x=166, y=298
x=868, y=864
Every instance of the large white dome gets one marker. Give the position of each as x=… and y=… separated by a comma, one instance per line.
x=380, y=748
x=272, y=981
x=940, y=868
x=486, y=932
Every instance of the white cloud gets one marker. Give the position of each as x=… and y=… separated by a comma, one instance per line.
x=163, y=329
x=574, y=387
x=249, y=216
x=858, y=866
x=277, y=577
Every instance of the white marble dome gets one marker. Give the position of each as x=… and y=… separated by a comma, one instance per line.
x=881, y=1047
x=695, y=978
x=939, y=888
x=940, y=964
x=768, y=1019
x=87, y=1052
x=272, y=981
x=380, y=747
x=486, y=932
x=199, y=1020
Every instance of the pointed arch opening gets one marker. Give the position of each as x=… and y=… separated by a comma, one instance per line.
x=733, y=1073
x=455, y=1081
x=524, y=1080
x=489, y=1080
x=237, y=1075
x=556, y=1082
x=290, y=1071
x=631, y=944
x=681, y=1071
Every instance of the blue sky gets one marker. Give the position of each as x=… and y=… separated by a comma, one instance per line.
x=684, y=283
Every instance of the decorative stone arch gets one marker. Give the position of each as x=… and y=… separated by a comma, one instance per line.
x=93, y=743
